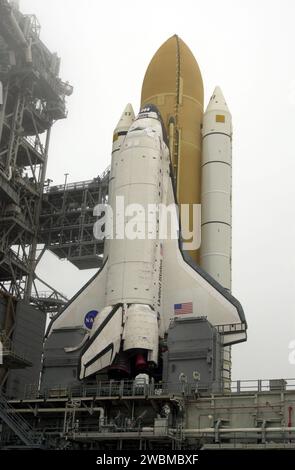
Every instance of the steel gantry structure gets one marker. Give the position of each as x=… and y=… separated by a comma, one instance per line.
x=32, y=98
x=67, y=219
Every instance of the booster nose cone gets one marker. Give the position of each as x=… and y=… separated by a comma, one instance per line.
x=125, y=120
x=217, y=117
x=217, y=101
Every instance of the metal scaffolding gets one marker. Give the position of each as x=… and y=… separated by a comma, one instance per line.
x=34, y=216
x=67, y=220
x=32, y=98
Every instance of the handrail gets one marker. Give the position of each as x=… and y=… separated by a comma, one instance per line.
x=141, y=388
x=78, y=184
x=9, y=348
x=16, y=422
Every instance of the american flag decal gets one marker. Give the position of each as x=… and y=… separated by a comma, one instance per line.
x=182, y=309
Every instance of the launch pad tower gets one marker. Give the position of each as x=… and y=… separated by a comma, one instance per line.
x=32, y=98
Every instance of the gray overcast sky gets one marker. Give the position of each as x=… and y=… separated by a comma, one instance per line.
x=246, y=47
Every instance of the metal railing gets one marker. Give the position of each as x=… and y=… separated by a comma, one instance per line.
x=50, y=295
x=262, y=385
x=8, y=348
x=78, y=184
x=16, y=422
x=133, y=388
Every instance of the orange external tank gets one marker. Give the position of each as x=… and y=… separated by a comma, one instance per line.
x=173, y=83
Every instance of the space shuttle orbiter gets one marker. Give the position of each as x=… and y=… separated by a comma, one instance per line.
x=147, y=279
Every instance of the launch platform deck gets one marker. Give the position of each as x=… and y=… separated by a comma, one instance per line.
x=124, y=415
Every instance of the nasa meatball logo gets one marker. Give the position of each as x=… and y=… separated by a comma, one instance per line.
x=89, y=318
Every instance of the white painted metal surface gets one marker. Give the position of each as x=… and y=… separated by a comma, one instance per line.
x=216, y=190
x=119, y=135
x=141, y=330
x=215, y=253
x=136, y=182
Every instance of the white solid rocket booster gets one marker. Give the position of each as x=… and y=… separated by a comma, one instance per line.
x=216, y=190
x=215, y=253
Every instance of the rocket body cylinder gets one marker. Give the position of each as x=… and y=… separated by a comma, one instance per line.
x=215, y=253
x=173, y=83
